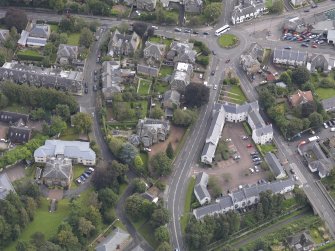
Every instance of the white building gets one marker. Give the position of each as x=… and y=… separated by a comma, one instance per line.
x=248, y=10
x=200, y=188
x=79, y=152
x=289, y=57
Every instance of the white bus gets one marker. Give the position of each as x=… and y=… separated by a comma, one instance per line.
x=222, y=30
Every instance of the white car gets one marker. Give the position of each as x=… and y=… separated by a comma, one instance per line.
x=91, y=169
x=215, y=87
x=256, y=169
x=228, y=140
x=154, y=27
x=251, y=170
x=325, y=125
x=147, y=149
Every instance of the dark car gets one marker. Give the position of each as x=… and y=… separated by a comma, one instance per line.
x=304, y=45
x=306, y=10
x=82, y=178
x=214, y=53
x=227, y=61
x=85, y=84
x=86, y=90
x=195, y=32
x=288, y=48
x=95, y=72
x=95, y=88
x=205, y=33
x=292, y=171
x=86, y=175
x=212, y=73
x=95, y=78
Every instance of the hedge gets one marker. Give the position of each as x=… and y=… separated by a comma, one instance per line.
x=30, y=57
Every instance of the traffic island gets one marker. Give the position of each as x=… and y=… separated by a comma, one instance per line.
x=228, y=41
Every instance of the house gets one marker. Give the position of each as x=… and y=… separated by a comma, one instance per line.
x=36, y=42
x=181, y=52
x=79, y=152
x=4, y=34
x=66, y=53
x=247, y=10
x=250, y=59
x=19, y=133
x=23, y=38
x=152, y=131
x=154, y=51
x=70, y=81
x=147, y=5
x=289, y=57
x=147, y=70
x=193, y=6
x=123, y=44
x=297, y=3
x=247, y=196
x=13, y=117
x=179, y=80
x=113, y=77
x=316, y=159
x=301, y=97
x=261, y=132
x=57, y=172
x=200, y=188
x=328, y=104
x=5, y=186
x=118, y=240
x=276, y=168
x=171, y=99
x=40, y=31
x=331, y=36
x=184, y=67
x=300, y=242
x=318, y=62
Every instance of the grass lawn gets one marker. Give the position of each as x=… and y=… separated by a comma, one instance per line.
x=236, y=95
x=144, y=228
x=161, y=87
x=268, y=148
x=29, y=52
x=315, y=234
x=44, y=221
x=77, y=171
x=17, y=108
x=144, y=87
x=266, y=56
x=325, y=93
x=54, y=27
x=165, y=71
x=73, y=39
x=145, y=159
x=187, y=206
x=268, y=3
x=69, y=134
x=227, y=40
x=161, y=40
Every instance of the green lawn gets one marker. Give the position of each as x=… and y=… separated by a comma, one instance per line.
x=144, y=228
x=77, y=171
x=44, y=221
x=165, y=71
x=187, y=206
x=161, y=87
x=69, y=134
x=325, y=93
x=73, y=39
x=268, y=148
x=145, y=159
x=54, y=27
x=17, y=108
x=268, y=3
x=236, y=95
x=29, y=52
x=227, y=40
x=144, y=87
x=161, y=40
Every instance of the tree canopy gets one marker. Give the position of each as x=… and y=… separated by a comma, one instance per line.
x=16, y=18
x=161, y=163
x=300, y=75
x=196, y=95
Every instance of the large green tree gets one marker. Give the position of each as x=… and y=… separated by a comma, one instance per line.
x=128, y=153
x=316, y=119
x=86, y=37
x=277, y=6
x=16, y=18
x=162, y=234
x=82, y=122
x=196, y=95
x=159, y=217
x=300, y=75
x=161, y=163
x=183, y=117
x=213, y=11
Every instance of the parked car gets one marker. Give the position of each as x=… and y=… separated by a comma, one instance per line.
x=205, y=33
x=213, y=52
x=228, y=140
x=254, y=153
x=314, y=46
x=177, y=29
x=256, y=159
x=249, y=145
x=257, y=169
x=245, y=137
x=154, y=27
x=304, y=45
x=147, y=149
x=78, y=181
x=292, y=171
x=195, y=32
x=251, y=170
x=227, y=61
x=236, y=157
x=86, y=90
x=306, y=10
x=288, y=48
x=215, y=87
x=212, y=73
x=91, y=169
x=85, y=175
x=95, y=88
x=325, y=125
x=82, y=178
x=187, y=30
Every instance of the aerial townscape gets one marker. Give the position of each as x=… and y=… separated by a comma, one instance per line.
x=167, y=125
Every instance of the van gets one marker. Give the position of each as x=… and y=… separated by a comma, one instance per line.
x=332, y=129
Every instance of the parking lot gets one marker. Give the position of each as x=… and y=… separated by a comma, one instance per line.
x=232, y=173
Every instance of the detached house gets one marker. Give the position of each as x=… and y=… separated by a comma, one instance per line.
x=148, y=5
x=57, y=172
x=181, y=52
x=123, y=44
x=154, y=51
x=66, y=53
x=152, y=131
x=38, y=35
x=171, y=101
x=251, y=59
x=193, y=6
x=18, y=131
x=181, y=76
x=301, y=97
x=318, y=62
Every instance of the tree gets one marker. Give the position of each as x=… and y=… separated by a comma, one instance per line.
x=3, y=101
x=162, y=234
x=37, y=239
x=266, y=99
x=183, y=117
x=123, y=27
x=316, y=119
x=63, y=111
x=82, y=122
x=196, y=95
x=138, y=164
x=159, y=217
x=161, y=163
x=85, y=227
x=2, y=58
x=169, y=151
x=259, y=212
x=24, y=246
x=57, y=126
x=16, y=18
x=214, y=186
x=307, y=109
x=57, y=5
x=157, y=113
x=128, y=153
x=212, y=11
x=134, y=206
x=108, y=198
x=300, y=75
x=286, y=78
x=165, y=246
x=300, y=196
x=115, y=145
x=86, y=37
x=67, y=240
x=139, y=185
x=140, y=28
x=277, y=7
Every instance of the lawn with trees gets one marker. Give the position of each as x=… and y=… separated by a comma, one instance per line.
x=227, y=40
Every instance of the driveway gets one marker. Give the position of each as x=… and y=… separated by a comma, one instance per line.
x=15, y=172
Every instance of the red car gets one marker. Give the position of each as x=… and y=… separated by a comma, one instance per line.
x=249, y=145
x=314, y=46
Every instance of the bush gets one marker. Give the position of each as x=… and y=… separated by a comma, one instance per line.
x=22, y=56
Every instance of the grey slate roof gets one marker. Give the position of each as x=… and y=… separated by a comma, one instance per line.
x=5, y=186
x=183, y=52
x=36, y=41
x=19, y=134
x=256, y=119
x=117, y=240
x=67, y=51
x=147, y=70
x=13, y=117
x=70, y=149
x=328, y=104
x=291, y=55
x=40, y=31
x=274, y=164
x=58, y=168
x=172, y=95
x=200, y=187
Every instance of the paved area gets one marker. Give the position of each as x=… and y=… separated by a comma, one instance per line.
x=15, y=172
x=56, y=194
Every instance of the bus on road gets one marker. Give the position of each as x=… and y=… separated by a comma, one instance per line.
x=222, y=30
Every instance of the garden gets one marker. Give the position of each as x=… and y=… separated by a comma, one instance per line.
x=161, y=40
x=227, y=40
x=143, y=87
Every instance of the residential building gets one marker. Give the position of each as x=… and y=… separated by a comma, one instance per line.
x=193, y=6
x=184, y=67
x=171, y=99
x=147, y=70
x=275, y=166
x=250, y=60
x=179, y=80
x=123, y=44
x=78, y=151
x=70, y=81
x=261, y=133
x=13, y=117
x=328, y=104
x=57, y=172
x=301, y=97
x=181, y=52
x=319, y=62
x=316, y=159
x=148, y=5
x=247, y=196
x=200, y=188
x=297, y=3
x=66, y=53
x=5, y=186
x=19, y=133
x=300, y=242
x=154, y=51
x=23, y=38
x=118, y=240
x=36, y=42
x=40, y=31
x=152, y=131
x=4, y=34
x=247, y=10
x=289, y=57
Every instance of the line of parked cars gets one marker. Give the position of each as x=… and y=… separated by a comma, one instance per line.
x=331, y=124
x=305, y=38
x=257, y=161
x=82, y=178
x=188, y=30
